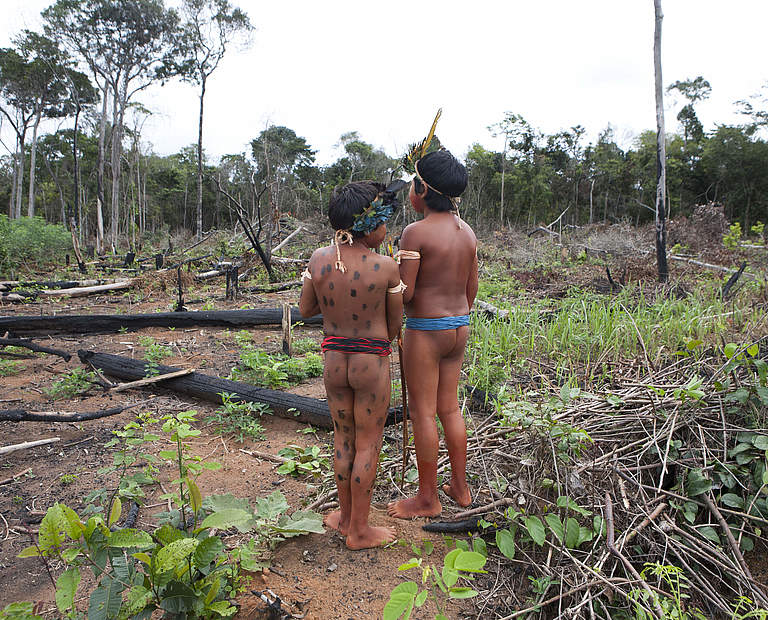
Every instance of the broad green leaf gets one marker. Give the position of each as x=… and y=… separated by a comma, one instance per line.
x=214, y=503
x=505, y=541
x=692, y=344
x=223, y=608
x=450, y=557
x=206, y=551
x=556, y=525
x=166, y=534
x=142, y=557
x=730, y=350
x=571, y=533
x=271, y=507
x=428, y=547
x=733, y=500
x=747, y=544
x=66, y=587
x=762, y=394
x=130, y=537
x=195, y=497
x=760, y=442
x=115, y=512
x=421, y=597
x=213, y=591
x=29, y=552
x=224, y=519
x=70, y=554
x=598, y=525
x=169, y=557
x=300, y=522
x=75, y=527
x=401, y=601
x=470, y=562
x=709, y=533
x=105, y=600
x=535, y=529
x=412, y=563
x=697, y=483
x=566, y=502
x=138, y=598
x=178, y=598
x=168, y=454
x=479, y=546
x=462, y=545
x=585, y=535
x=753, y=349
x=462, y=593
x=450, y=576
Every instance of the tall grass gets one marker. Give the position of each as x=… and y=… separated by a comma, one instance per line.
x=587, y=336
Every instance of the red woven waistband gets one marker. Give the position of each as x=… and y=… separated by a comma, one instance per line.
x=374, y=346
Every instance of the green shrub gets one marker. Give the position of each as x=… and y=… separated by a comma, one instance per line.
x=31, y=240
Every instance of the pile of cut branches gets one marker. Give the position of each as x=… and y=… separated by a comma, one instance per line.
x=640, y=502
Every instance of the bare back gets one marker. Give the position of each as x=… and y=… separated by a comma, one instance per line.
x=353, y=303
x=444, y=281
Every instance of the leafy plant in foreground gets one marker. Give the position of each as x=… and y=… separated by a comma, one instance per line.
x=460, y=563
x=73, y=383
x=241, y=418
x=303, y=461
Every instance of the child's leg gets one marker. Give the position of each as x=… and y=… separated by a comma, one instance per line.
x=453, y=423
x=422, y=353
x=369, y=376
x=340, y=402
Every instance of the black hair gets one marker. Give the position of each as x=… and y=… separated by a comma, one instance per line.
x=446, y=174
x=347, y=201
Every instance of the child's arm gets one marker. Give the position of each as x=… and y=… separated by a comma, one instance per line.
x=394, y=303
x=409, y=267
x=472, y=282
x=308, y=302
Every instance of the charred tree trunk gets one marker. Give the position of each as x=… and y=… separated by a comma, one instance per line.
x=291, y=406
x=112, y=323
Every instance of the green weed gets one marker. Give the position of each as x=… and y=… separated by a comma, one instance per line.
x=239, y=418
x=10, y=367
x=73, y=383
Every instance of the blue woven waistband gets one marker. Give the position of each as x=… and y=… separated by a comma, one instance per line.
x=443, y=322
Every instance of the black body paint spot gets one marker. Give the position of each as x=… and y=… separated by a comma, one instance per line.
x=330, y=285
x=346, y=428
x=346, y=445
x=328, y=267
x=335, y=425
x=373, y=397
x=342, y=415
x=334, y=325
x=330, y=301
x=368, y=411
x=368, y=324
x=338, y=454
x=376, y=267
x=365, y=258
x=341, y=477
x=325, y=300
x=322, y=270
x=356, y=276
x=371, y=287
x=353, y=293
x=357, y=479
x=354, y=317
x=367, y=467
x=365, y=306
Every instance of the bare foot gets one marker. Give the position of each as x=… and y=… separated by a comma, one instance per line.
x=459, y=492
x=414, y=507
x=334, y=521
x=371, y=537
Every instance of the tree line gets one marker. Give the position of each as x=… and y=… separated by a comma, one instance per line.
x=94, y=58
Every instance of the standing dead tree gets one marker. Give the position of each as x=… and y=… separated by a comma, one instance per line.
x=242, y=216
x=661, y=153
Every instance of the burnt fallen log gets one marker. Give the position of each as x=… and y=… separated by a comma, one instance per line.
x=112, y=323
x=7, y=285
x=291, y=406
x=21, y=415
x=26, y=344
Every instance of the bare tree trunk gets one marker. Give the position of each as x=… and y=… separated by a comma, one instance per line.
x=76, y=171
x=20, y=176
x=117, y=112
x=100, y=173
x=199, y=232
x=32, y=158
x=503, y=174
x=591, y=191
x=661, y=153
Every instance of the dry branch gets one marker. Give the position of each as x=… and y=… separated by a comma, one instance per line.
x=27, y=344
x=28, y=444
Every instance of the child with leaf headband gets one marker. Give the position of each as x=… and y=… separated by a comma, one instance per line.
x=438, y=264
x=359, y=294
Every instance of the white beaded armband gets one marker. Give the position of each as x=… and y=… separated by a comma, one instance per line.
x=407, y=255
x=306, y=274
x=400, y=288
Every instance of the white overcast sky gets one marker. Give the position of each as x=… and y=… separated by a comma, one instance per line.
x=328, y=67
